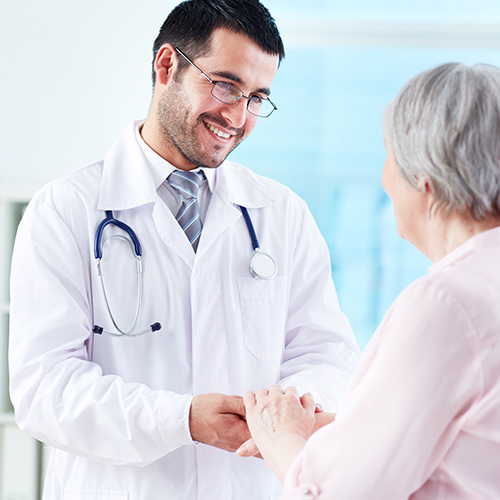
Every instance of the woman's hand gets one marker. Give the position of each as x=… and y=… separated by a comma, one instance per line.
x=280, y=424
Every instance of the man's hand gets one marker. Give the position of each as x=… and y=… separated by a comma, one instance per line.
x=218, y=420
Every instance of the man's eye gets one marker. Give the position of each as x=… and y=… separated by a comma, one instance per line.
x=226, y=87
x=257, y=99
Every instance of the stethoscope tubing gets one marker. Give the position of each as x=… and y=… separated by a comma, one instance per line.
x=251, y=229
x=261, y=266
x=137, y=249
x=109, y=219
x=261, y=260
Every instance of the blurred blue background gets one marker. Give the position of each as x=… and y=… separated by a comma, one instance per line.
x=67, y=97
x=75, y=74
x=346, y=62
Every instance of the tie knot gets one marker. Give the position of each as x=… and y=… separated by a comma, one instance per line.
x=187, y=183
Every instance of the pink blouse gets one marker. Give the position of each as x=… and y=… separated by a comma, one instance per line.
x=421, y=419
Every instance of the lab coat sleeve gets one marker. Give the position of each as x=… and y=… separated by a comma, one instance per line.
x=411, y=390
x=61, y=397
x=320, y=350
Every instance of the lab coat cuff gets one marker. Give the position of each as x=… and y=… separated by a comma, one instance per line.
x=174, y=421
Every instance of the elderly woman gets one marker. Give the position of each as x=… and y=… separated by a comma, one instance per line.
x=421, y=419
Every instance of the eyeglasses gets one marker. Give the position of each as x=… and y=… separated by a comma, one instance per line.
x=229, y=94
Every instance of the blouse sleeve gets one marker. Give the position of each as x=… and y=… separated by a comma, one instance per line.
x=405, y=407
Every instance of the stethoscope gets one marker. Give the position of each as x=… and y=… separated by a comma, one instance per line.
x=262, y=267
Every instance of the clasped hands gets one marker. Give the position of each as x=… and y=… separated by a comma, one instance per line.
x=253, y=423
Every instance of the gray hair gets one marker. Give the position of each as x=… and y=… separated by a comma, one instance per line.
x=444, y=128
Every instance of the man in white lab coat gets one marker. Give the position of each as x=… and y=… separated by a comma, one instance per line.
x=134, y=412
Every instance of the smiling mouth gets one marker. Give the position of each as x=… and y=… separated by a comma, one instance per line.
x=217, y=132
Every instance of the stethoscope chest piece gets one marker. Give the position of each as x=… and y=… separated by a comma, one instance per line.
x=262, y=266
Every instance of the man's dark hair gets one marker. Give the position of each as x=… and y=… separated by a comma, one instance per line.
x=190, y=26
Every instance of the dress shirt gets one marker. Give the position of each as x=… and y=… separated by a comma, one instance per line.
x=161, y=169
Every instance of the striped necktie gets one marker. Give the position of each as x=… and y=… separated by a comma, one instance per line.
x=188, y=216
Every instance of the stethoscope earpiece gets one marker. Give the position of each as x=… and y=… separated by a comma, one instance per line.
x=99, y=330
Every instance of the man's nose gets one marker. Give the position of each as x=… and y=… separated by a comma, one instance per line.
x=236, y=114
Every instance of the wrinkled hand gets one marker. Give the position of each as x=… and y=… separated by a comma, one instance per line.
x=321, y=418
x=218, y=420
x=272, y=414
x=280, y=424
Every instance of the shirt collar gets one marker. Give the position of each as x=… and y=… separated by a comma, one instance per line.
x=160, y=168
x=132, y=172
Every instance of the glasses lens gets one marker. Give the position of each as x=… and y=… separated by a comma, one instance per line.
x=260, y=107
x=226, y=92
x=229, y=94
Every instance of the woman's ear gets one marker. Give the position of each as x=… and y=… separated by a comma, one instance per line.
x=426, y=190
x=423, y=185
x=165, y=63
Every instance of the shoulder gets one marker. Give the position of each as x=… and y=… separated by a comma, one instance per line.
x=69, y=201
x=455, y=304
x=248, y=180
x=427, y=297
x=82, y=185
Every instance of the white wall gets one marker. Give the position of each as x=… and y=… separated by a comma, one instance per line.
x=73, y=75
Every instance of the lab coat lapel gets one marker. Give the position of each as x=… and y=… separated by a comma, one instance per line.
x=172, y=234
x=220, y=216
x=126, y=179
x=234, y=185
x=127, y=183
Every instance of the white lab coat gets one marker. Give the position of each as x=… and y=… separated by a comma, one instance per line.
x=116, y=409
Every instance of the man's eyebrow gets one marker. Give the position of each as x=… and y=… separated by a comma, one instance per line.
x=236, y=79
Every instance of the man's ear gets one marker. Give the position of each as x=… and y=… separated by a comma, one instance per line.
x=165, y=63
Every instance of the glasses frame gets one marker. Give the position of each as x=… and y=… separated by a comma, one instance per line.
x=214, y=83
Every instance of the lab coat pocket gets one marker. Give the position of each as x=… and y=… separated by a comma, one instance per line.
x=263, y=316
x=73, y=494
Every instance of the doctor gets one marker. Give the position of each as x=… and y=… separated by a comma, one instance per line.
x=134, y=412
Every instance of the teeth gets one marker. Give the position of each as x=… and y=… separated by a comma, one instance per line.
x=218, y=132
